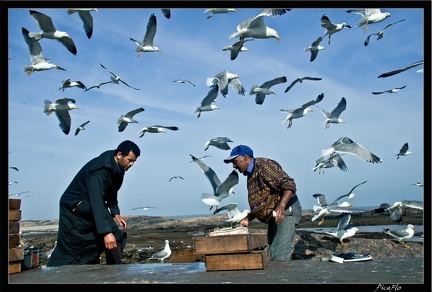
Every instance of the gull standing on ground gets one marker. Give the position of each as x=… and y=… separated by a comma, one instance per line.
x=220, y=190
x=115, y=78
x=184, y=81
x=61, y=107
x=163, y=254
x=219, y=11
x=48, y=31
x=156, y=129
x=68, y=84
x=346, y=145
x=263, y=90
x=333, y=117
x=394, y=90
x=81, y=127
x=147, y=44
x=206, y=103
x=224, y=78
x=330, y=27
x=86, y=18
x=398, y=209
x=126, y=119
x=344, y=229
x=380, y=34
x=236, y=48
x=234, y=215
x=401, y=234
x=218, y=142
x=404, y=151
x=174, y=177
x=333, y=161
x=301, y=79
x=369, y=16
x=301, y=111
x=400, y=70
x=39, y=63
x=315, y=48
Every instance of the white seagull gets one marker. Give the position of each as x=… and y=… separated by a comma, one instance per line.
x=224, y=78
x=400, y=70
x=301, y=79
x=333, y=117
x=163, y=254
x=346, y=145
x=220, y=190
x=207, y=103
x=344, y=229
x=401, y=234
x=86, y=18
x=404, y=151
x=315, y=48
x=184, y=81
x=218, y=142
x=263, y=90
x=18, y=194
x=147, y=44
x=98, y=86
x=126, y=119
x=334, y=160
x=380, y=34
x=234, y=215
x=143, y=208
x=115, y=79
x=68, y=84
x=419, y=184
x=156, y=129
x=301, y=111
x=398, y=209
x=369, y=16
x=61, y=107
x=49, y=31
x=393, y=90
x=219, y=11
x=330, y=27
x=39, y=63
x=81, y=127
x=236, y=48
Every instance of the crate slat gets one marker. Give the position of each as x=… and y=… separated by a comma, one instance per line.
x=255, y=260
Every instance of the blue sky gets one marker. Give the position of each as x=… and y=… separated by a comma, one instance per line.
x=191, y=47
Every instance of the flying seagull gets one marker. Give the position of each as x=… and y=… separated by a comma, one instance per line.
x=166, y=12
x=394, y=90
x=184, y=81
x=344, y=229
x=163, y=254
x=207, y=103
x=156, y=129
x=126, y=119
x=315, y=48
x=301, y=111
x=401, y=234
x=263, y=90
x=234, y=215
x=14, y=167
x=404, y=151
x=39, y=63
x=333, y=117
x=61, y=107
x=147, y=44
x=219, y=11
x=68, y=84
x=380, y=34
x=301, y=79
x=369, y=16
x=98, y=86
x=220, y=190
x=236, y=48
x=419, y=184
x=49, y=31
x=200, y=158
x=143, y=208
x=86, y=18
x=115, y=79
x=398, y=209
x=175, y=177
x=330, y=27
x=81, y=127
x=334, y=160
x=346, y=145
x=218, y=142
x=224, y=78
x=334, y=208
x=400, y=70
x=18, y=194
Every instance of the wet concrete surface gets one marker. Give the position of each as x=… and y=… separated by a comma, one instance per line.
x=408, y=272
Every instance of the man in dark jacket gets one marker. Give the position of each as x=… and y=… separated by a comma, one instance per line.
x=89, y=214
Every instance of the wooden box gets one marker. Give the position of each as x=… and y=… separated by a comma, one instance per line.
x=229, y=244
x=254, y=260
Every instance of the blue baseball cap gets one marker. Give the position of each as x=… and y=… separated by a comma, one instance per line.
x=239, y=150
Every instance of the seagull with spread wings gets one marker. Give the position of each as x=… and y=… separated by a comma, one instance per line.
x=369, y=16
x=333, y=116
x=234, y=215
x=115, y=79
x=128, y=118
x=315, y=48
x=236, y=48
x=61, y=107
x=393, y=90
x=400, y=70
x=68, y=84
x=81, y=127
x=143, y=208
x=86, y=18
x=175, y=177
x=330, y=27
x=398, y=209
x=225, y=78
x=207, y=103
x=404, y=151
x=334, y=160
x=218, y=142
x=219, y=11
x=156, y=129
x=344, y=229
x=380, y=34
x=147, y=44
x=346, y=145
x=263, y=90
x=300, y=80
x=301, y=111
x=184, y=81
x=98, y=86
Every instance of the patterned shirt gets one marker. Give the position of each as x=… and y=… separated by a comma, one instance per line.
x=266, y=185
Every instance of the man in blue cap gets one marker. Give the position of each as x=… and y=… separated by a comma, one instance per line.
x=272, y=199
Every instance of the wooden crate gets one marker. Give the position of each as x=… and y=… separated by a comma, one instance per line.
x=254, y=260
x=229, y=244
x=16, y=252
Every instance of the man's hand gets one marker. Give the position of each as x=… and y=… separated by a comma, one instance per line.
x=110, y=241
x=121, y=221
